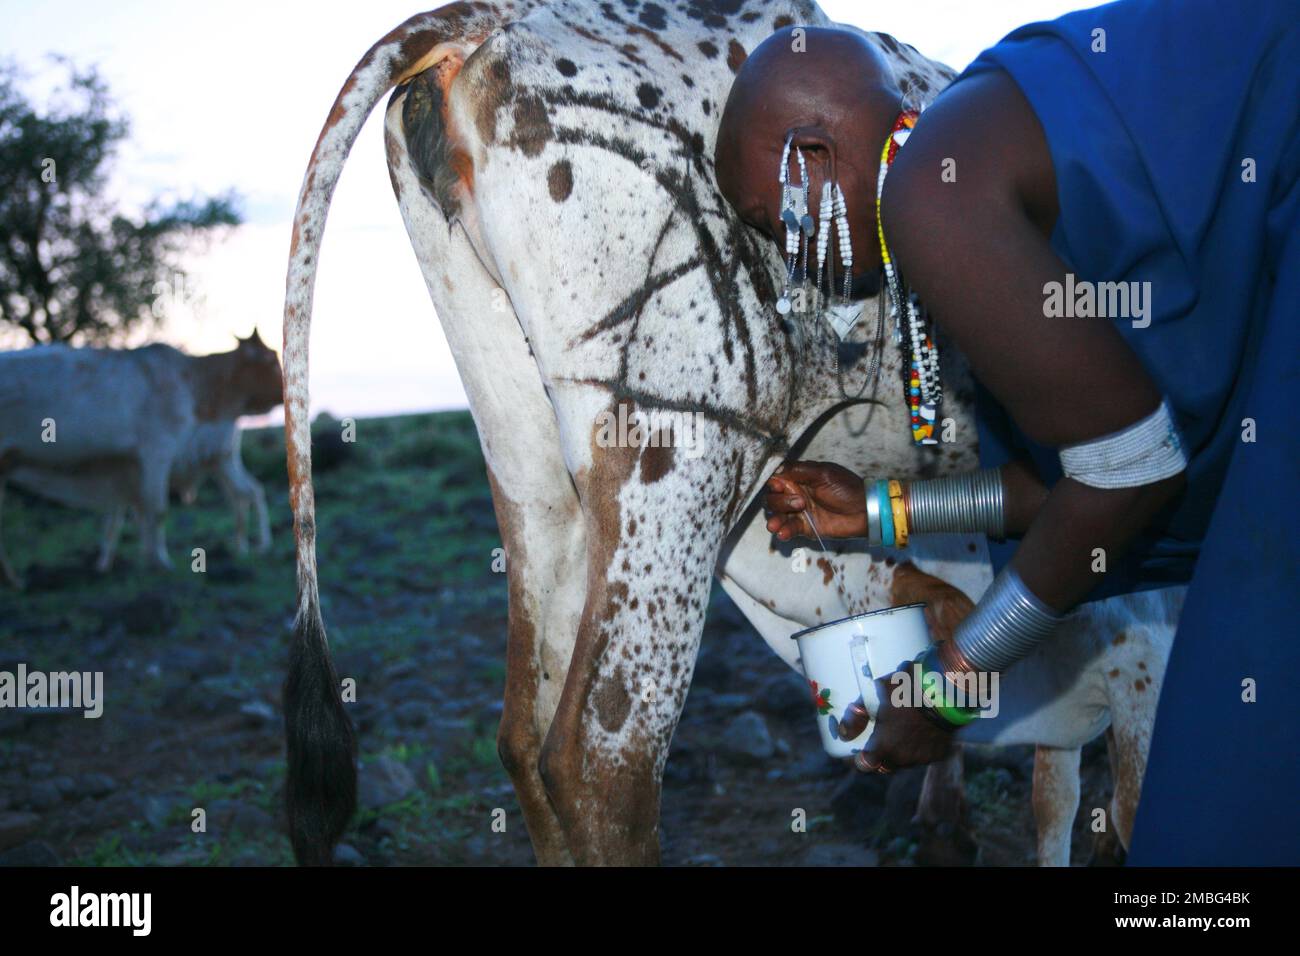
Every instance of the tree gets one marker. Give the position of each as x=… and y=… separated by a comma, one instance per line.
x=72, y=267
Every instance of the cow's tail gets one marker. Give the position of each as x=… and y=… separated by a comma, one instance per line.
x=322, y=780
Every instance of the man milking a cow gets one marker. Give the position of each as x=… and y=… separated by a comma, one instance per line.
x=1100, y=213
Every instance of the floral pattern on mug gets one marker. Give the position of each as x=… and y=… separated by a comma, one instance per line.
x=821, y=698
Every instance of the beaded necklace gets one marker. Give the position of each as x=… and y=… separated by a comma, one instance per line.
x=921, y=386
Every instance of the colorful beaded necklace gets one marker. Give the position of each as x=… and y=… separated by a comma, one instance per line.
x=921, y=385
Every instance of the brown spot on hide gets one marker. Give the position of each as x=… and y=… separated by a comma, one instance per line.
x=560, y=180
x=658, y=457
x=736, y=57
x=828, y=571
x=612, y=702
x=493, y=87
x=532, y=124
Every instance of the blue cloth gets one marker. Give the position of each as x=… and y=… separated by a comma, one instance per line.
x=1148, y=141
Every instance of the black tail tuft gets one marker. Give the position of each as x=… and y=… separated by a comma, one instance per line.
x=321, y=791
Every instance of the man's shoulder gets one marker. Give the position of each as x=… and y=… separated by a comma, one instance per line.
x=978, y=148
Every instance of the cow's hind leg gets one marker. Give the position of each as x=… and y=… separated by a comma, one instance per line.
x=1133, y=685
x=1108, y=846
x=1056, y=801
x=655, y=521
x=534, y=496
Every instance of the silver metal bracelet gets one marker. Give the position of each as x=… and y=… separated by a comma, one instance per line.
x=874, y=533
x=962, y=503
x=1007, y=623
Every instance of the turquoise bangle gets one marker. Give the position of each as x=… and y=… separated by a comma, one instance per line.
x=886, y=514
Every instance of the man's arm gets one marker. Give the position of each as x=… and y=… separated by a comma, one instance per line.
x=976, y=250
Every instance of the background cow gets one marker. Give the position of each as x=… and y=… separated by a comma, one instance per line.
x=116, y=429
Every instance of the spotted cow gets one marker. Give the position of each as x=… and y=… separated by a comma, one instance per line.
x=553, y=165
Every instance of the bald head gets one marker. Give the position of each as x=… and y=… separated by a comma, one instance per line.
x=833, y=90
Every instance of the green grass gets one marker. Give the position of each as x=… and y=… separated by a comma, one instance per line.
x=405, y=539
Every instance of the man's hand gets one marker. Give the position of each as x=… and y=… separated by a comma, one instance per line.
x=834, y=495
x=903, y=736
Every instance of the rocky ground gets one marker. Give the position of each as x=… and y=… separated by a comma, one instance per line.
x=192, y=664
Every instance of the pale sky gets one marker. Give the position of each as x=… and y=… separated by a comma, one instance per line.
x=232, y=94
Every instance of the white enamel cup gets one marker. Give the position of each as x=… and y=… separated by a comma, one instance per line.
x=840, y=657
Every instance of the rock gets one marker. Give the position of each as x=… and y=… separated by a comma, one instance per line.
x=43, y=795
x=785, y=695
x=841, y=854
x=35, y=853
x=814, y=763
x=155, y=810
x=729, y=702
x=414, y=713
x=747, y=738
x=15, y=828
x=238, y=815
x=259, y=713
x=347, y=855
x=383, y=781
x=96, y=785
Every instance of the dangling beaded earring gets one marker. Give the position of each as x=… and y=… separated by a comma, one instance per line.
x=824, y=226
x=922, y=387
x=798, y=228
x=791, y=230
x=841, y=214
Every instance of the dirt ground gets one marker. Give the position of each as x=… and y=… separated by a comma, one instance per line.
x=192, y=664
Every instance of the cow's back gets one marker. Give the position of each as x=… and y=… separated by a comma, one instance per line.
x=60, y=405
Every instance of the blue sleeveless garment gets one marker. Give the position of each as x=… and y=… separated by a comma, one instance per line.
x=1174, y=131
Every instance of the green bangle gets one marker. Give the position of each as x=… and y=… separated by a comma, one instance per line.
x=933, y=679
